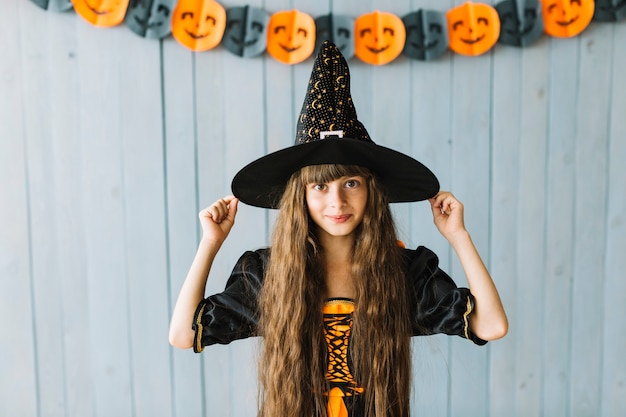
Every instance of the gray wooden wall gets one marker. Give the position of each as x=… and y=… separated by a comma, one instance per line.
x=110, y=144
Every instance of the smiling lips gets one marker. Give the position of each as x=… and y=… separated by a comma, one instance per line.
x=338, y=218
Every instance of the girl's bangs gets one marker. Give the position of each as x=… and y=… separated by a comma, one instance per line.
x=320, y=174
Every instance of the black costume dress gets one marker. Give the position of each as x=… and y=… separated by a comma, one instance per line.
x=437, y=306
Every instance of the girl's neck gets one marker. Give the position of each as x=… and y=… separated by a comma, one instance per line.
x=339, y=279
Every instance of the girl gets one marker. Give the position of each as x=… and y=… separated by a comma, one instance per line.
x=335, y=298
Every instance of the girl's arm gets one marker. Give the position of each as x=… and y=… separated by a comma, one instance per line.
x=217, y=220
x=489, y=320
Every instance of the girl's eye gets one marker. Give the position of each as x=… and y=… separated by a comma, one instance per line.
x=319, y=187
x=352, y=183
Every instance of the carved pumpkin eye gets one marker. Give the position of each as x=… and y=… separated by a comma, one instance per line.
x=381, y=37
x=198, y=24
x=473, y=28
x=291, y=36
x=103, y=13
x=567, y=18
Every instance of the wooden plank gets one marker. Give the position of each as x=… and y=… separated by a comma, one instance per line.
x=43, y=209
x=102, y=202
x=506, y=166
x=613, y=399
x=18, y=386
x=63, y=145
x=143, y=197
x=559, y=201
x=591, y=149
x=182, y=208
x=471, y=89
x=531, y=224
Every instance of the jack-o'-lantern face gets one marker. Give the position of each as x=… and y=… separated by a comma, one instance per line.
x=426, y=35
x=290, y=36
x=338, y=30
x=520, y=22
x=150, y=18
x=566, y=18
x=610, y=10
x=246, y=31
x=54, y=5
x=103, y=13
x=198, y=24
x=379, y=37
x=473, y=28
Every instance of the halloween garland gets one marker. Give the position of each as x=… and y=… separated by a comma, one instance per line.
x=376, y=38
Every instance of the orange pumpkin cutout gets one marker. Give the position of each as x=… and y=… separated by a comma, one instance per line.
x=290, y=36
x=566, y=18
x=379, y=37
x=198, y=24
x=102, y=13
x=473, y=28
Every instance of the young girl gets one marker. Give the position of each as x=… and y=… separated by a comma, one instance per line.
x=336, y=297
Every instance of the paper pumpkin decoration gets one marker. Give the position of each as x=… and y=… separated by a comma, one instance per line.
x=150, y=18
x=54, y=5
x=102, y=13
x=246, y=31
x=473, y=28
x=379, y=37
x=610, y=10
x=198, y=24
x=290, y=36
x=426, y=35
x=337, y=29
x=566, y=18
x=520, y=22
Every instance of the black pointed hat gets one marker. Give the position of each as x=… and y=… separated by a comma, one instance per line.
x=329, y=132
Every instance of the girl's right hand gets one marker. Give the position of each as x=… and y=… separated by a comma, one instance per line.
x=217, y=219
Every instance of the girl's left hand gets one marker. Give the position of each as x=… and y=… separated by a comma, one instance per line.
x=447, y=214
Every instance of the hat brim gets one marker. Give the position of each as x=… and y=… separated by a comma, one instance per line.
x=262, y=182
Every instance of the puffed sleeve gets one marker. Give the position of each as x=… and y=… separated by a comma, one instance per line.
x=233, y=313
x=437, y=304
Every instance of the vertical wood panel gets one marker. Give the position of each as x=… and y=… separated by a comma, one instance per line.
x=613, y=400
x=507, y=138
x=43, y=178
x=102, y=194
x=589, y=222
x=560, y=197
x=471, y=86
x=182, y=209
x=144, y=215
x=530, y=227
x=19, y=381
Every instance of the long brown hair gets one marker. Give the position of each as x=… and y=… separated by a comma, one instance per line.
x=293, y=360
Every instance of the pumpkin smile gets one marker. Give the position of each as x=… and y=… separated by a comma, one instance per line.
x=288, y=49
x=96, y=10
x=199, y=36
x=377, y=50
x=568, y=22
x=472, y=41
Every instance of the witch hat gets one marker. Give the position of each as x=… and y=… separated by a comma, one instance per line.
x=329, y=132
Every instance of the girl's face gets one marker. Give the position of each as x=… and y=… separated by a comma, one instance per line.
x=337, y=207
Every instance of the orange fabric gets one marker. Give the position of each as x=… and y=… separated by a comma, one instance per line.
x=337, y=325
x=336, y=406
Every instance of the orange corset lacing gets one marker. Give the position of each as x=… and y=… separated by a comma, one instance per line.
x=337, y=326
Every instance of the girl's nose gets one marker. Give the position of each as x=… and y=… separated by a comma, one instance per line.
x=337, y=196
